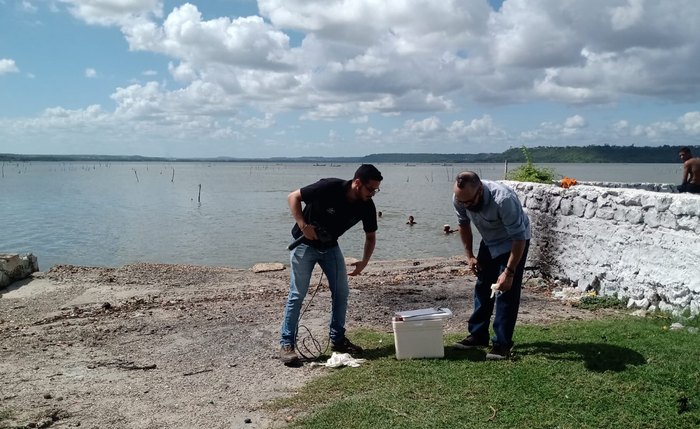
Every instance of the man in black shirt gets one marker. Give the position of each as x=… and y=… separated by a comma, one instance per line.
x=332, y=206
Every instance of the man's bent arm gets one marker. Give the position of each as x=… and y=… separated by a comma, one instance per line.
x=517, y=249
x=294, y=202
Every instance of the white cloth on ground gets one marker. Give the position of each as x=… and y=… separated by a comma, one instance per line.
x=338, y=360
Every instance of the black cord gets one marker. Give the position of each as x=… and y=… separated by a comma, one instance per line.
x=311, y=346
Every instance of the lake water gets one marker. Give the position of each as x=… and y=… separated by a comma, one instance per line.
x=110, y=214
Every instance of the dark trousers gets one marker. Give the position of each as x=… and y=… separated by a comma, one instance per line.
x=689, y=187
x=506, y=303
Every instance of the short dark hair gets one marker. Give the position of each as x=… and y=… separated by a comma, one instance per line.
x=684, y=149
x=367, y=172
x=467, y=178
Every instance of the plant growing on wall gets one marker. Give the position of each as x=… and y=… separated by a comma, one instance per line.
x=529, y=173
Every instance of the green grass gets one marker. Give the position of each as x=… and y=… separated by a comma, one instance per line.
x=600, y=301
x=615, y=373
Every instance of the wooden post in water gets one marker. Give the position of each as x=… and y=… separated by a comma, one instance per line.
x=136, y=174
x=172, y=179
x=505, y=171
x=199, y=195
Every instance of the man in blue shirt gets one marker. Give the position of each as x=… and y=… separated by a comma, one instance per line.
x=332, y=206
x=498, y=215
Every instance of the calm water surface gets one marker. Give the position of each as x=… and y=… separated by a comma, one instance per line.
x=117, y=213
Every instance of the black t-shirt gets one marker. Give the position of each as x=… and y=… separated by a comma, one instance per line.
x=327, y=207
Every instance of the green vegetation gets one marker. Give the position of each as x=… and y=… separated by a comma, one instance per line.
x=529, y=173
x=596, y=302
x=626, y=372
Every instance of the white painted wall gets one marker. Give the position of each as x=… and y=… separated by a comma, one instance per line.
x=630, y=243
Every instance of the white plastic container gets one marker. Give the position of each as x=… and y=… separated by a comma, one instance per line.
x=418, y=333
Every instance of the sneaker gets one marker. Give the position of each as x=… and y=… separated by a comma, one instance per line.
x=345, y=346
x=498, y=353
x=288, y=355
x=471, y=343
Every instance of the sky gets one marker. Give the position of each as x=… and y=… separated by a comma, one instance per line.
x=292, y=78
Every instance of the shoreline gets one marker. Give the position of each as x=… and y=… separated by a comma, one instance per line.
x=181, y=346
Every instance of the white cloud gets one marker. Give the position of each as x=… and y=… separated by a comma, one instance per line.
x=570, y=131
x=576, y=121
x=425, y=128
x=621, y=126
x=27, y=6
x=266, y=122
x=478, y=129
x=352, y=60
x=90, y=73
x=8, y=66
x=368, y=133
x=114, y=12
x=656, y=131
x=691, y=123
x=363, y=56
x=623, y=17
x=360, y=119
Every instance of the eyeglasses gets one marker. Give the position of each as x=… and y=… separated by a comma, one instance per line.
x=373, y=191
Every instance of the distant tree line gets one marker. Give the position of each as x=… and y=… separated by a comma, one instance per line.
x=539, y=154
x=553, y=154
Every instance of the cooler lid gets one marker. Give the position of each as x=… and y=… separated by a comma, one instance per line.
x=424, y=314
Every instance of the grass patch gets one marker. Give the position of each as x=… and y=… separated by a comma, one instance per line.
x=627, y=372
x=599, y=302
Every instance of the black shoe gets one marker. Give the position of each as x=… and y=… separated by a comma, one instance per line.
x=498, y=353
x=345, y=346
x=287, y=355
x=471, y=343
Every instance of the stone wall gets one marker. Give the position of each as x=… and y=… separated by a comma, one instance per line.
x=635, y=244
x=656, y=187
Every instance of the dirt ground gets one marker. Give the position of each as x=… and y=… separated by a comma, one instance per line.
x=173, y=346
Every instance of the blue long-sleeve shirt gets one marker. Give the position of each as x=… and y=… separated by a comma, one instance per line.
x=501, y=219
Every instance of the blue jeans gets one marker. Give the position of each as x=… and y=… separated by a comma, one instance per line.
x=506, y=303
x=302, y=261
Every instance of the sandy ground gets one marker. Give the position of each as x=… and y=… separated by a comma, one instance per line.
x=172, y=346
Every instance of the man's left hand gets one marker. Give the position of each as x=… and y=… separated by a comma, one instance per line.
x=359, y=266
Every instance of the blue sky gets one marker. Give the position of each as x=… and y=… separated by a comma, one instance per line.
x=271, y=78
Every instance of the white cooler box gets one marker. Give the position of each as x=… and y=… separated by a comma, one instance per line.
x=418, y=333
